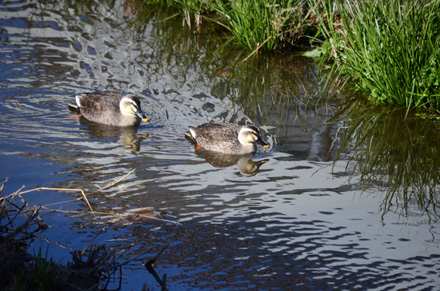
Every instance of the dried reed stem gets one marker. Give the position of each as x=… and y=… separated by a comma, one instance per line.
x=62, y=189
x=111, y=185
x=246, y=58
x=72, y=190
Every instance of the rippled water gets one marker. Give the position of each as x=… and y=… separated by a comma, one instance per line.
x=302, y=220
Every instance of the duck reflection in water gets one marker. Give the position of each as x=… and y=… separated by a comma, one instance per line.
x=128, y=136
x=227, y=144
x=246, y=165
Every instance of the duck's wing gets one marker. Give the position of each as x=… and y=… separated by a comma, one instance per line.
x=214, y=134
x=98, y=102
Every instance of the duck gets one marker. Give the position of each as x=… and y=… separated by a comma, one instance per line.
x=111, y=108
x=226, y=138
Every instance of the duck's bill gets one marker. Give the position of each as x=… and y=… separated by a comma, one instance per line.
x=142, y=115
x=262, y=143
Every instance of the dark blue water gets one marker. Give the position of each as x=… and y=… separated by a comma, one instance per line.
x=302, y=221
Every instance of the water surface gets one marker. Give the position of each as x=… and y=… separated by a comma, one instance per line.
x=305, y=220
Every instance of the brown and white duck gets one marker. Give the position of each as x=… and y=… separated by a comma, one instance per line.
x=227, y=138
x=110, y=107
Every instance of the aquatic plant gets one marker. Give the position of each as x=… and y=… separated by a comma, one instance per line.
x=391, y=49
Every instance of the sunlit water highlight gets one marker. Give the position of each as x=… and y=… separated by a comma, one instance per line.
x=300, y=222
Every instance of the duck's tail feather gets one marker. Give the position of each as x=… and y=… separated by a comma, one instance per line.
x=74, y=107
x=190, y=134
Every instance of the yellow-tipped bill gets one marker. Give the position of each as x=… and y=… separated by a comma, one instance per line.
x=262, y=142
x=142, y=115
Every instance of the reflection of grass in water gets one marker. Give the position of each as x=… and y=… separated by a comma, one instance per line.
x=402, y=154
x=263, y=86
x=182, y=53
x=275, y=89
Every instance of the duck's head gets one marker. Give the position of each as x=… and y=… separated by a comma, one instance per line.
x=131, y=105
x=250, y=135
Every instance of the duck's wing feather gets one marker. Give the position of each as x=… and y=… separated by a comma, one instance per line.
x=98, y=102
x=214, y=135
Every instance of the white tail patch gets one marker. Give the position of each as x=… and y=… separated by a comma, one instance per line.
x=78, y=100
x=193, y=133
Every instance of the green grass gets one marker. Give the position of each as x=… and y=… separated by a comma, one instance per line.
x=270, y=22
x=41, y=273
x=265, y=24
x=391, y=49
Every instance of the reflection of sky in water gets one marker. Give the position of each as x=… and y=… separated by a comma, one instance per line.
x=294, y=223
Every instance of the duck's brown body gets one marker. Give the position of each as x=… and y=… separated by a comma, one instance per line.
x=112, y=108
x=227, y=138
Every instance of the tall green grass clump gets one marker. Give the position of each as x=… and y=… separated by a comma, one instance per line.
x=268, y=22
x=265, y=24
x=390, y=48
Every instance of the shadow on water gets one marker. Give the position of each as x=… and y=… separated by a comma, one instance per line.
x=393, y=150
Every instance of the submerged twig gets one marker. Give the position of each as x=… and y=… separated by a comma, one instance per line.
x=149, y=267
x=116, y=214
x=114, y=183
x=62, y=189
x=246, y=58
x=71, y=190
